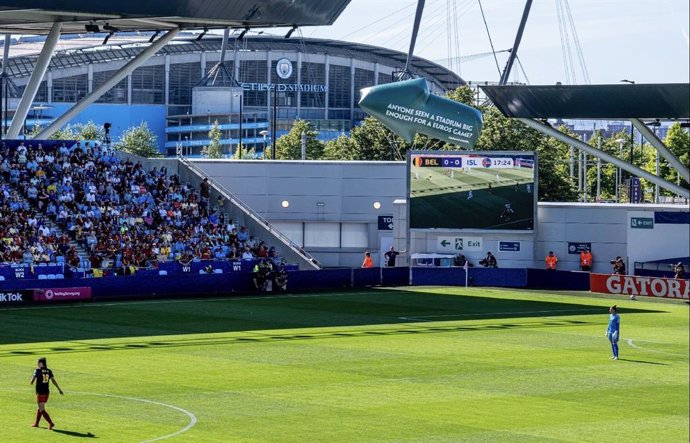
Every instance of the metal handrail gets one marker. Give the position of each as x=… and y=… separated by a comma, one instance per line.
x=251, y=213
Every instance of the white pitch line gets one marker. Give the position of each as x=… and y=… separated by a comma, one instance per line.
x=425, y=317
x=192, y=417
x=99, y=304
x=630, y=343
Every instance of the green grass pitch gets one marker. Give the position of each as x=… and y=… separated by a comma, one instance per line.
x=443, y=202
x=412, y=364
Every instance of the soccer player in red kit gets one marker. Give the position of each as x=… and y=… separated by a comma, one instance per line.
x=43, y=376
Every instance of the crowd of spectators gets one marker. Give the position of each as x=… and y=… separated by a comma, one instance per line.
x=124, y=216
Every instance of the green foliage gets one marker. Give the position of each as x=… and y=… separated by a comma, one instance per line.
x=463, y=94
x=247, y=154
x=66, y=133
x=139, y=140
x=214, y=149
x=77, y=131
x=289, y=146
x=342, y=148
x=91, y=131
x=677, y=141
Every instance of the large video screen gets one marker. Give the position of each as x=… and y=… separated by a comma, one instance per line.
x=472, y=190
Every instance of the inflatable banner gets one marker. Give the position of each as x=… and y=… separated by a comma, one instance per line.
x=408, y=108
x=637, y=285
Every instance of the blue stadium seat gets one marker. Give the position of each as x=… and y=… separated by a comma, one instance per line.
x=50, y=276
x=201, y=271
x=218, y=271
x=162, y=272
x=43, y=264
x=59, y=276
x=60, y=259
x=40, y=276
x=2, y=278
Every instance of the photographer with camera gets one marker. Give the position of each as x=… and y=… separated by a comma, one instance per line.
x=618, y=265
x=489, y=261
x=679, y=270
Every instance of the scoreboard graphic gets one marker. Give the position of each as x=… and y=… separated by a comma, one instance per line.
x=472, y=190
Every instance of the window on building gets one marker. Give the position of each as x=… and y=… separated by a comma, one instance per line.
x=182, y=78
x=339, y=83
x=363, y=79
x=41, y=93
x=116, y=94
x=254, y=71
x=70, y=89
x=385, y=78
x=148, y=85
x=313, y=74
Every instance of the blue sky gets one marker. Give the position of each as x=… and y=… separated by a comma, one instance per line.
x=641, y=40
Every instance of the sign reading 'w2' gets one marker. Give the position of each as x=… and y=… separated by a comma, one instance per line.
x=408, y=108
x=635, y=285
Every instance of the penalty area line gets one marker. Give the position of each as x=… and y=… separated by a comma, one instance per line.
x=630, y=343
x=190, y=425
x=486, y=314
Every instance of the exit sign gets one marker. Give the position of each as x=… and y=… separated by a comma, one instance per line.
x=642, y=223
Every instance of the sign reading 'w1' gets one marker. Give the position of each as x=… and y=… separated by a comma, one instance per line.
x=408, y=108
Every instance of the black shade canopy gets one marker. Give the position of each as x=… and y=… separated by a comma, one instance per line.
x=645, y=101
x=37, y=16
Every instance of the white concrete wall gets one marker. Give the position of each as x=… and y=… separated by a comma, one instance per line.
x=345, y=192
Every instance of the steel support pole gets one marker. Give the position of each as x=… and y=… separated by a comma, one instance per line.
x=35, y=81
x=584, y=175
x=658, y=171
x=413, y=39
x=579, y=171
x=651, y=137
x=123, y=72
x=599, y=171
x=3, y=80
x=516, y=45
x=548, y=130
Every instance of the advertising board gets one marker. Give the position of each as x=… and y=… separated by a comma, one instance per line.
x=639, y=286
x=51, y=295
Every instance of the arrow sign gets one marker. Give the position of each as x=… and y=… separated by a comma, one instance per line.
x=408, y=108
x=445, y=243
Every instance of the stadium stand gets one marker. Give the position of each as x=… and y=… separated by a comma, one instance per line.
x=72, y=208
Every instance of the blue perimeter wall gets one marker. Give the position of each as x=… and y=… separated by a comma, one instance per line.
x=345, y=278
x=121, y=116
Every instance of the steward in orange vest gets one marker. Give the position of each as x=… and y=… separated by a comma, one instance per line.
x=586, y=260
x=551, y=261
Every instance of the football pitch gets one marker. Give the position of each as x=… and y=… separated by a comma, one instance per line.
x=409, y=364
x=464, y=200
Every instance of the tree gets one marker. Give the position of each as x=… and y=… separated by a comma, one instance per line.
x=463, y=94
x=65, y=133
x=677, y=141
x=341, y=148
x=139, y=140
x=214, y=149
x=289, y=146
x=90, y=131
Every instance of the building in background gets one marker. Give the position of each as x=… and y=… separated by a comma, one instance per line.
x=311, y=79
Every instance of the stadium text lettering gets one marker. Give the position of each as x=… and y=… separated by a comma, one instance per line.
x=646, y=286
x=284, y=87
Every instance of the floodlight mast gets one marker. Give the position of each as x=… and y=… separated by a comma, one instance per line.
x=406, y=73
x=516, y=45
